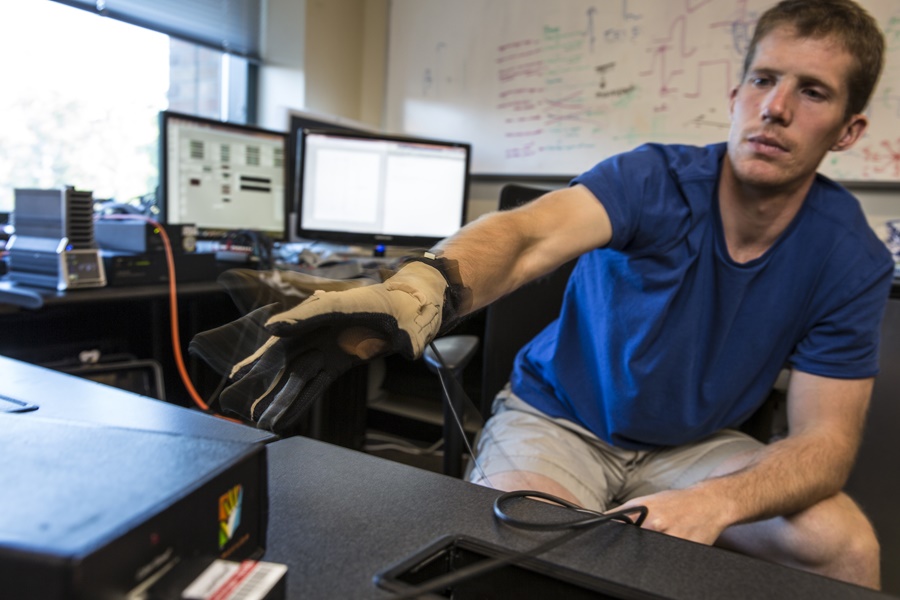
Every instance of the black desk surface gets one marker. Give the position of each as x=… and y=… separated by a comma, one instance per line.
x=337, y=517
x=34, y=298
x=66, y=397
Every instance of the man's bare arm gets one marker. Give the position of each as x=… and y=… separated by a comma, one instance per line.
x=826, y=418
x=503, y=250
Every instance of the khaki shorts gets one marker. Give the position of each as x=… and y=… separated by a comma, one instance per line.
x=520, y=438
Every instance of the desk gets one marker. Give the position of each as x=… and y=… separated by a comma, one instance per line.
x=65, y=397
x=48, y=326
x=337, y=516
x=135, y=320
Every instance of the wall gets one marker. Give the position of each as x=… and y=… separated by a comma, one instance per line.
x=374, y=72
x=341, y=69
x=880, y=206
x=282, y=78
x=324, y=56
x=345, y=58
x=547, y=88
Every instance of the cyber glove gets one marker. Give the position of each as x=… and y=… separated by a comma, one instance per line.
x=313, y=343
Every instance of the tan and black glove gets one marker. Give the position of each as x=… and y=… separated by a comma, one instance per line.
x=313, y=343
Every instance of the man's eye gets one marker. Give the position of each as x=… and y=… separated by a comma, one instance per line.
x=759, y=81
x=814, y=94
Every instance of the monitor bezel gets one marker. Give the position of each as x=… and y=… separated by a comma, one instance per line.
x=210, y=232
x=372, y=238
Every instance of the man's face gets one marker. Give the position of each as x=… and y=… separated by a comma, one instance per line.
x=788, y=112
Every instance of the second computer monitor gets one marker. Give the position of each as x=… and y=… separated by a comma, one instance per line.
x=222, y=177
x=357, y=188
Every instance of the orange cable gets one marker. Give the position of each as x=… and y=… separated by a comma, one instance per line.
x=173, y=310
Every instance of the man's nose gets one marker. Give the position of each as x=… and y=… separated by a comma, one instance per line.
x=776, y=106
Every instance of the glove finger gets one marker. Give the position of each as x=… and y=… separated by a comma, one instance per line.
x=310, y=373
x=271, y=349
x=264, y=362
x=257, y=383
x=364, y=335
x=317, y=386
x=221, y=347
x=310, y=368
x=293, y=399
x=365, y=300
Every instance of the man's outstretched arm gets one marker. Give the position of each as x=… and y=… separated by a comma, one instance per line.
x=501, y=251
x=311, y=344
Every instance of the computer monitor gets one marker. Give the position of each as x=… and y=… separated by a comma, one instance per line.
x=223, y=177
x=357, y=188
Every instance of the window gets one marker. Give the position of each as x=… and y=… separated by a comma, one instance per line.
x=82, y=94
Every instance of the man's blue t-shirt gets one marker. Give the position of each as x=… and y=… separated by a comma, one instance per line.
x=663, y=339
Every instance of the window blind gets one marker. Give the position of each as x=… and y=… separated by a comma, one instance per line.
x=228, y=25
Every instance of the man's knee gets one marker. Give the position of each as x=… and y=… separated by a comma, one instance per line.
x=833, y=538
x=837, y=539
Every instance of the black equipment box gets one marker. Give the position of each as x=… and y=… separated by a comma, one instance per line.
x=150, y=268
x=93, y=511
x=140, y=236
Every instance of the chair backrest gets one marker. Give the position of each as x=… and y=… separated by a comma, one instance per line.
x=513, y=320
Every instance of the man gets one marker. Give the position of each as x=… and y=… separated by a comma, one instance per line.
x=703, y=271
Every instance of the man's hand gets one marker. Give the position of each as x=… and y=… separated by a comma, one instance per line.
x=689, y=514
x=403, y=315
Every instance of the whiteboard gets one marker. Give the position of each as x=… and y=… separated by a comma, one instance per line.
x=550, y=88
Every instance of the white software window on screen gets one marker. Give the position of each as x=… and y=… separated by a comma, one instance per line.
x=340, y=182
x=425, y=194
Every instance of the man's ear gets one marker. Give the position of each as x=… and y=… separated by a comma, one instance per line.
x=731, y=98
x=851, y=132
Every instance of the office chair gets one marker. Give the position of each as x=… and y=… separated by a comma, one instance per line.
x=513, y=320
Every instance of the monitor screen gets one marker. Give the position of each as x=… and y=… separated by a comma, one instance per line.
x=359, y=188
x=222, y=177
x=298, y=122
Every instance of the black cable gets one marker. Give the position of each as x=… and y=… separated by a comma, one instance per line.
x=591, y=517
x=467, y=405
